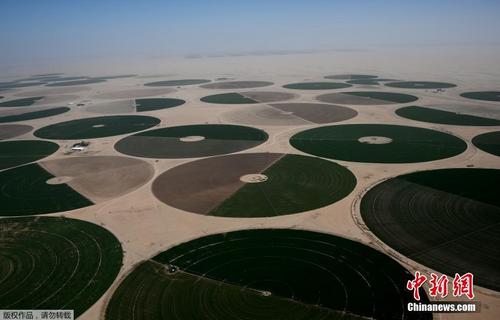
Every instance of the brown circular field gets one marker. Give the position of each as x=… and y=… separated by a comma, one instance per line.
x=285, y=114
x=8, y=131
x=366, y=98
x=237, y=85
x=133, y=93
x=69, y=183
x=219, y=186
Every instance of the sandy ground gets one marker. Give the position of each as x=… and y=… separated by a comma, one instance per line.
x=120, y=106
x=146, y=226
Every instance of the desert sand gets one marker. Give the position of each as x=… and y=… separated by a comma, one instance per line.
x=146, y=226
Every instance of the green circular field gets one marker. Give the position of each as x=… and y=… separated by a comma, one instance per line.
x=15, y=153
x=176, y=83
x=420, y=85
x=17, y=84
x=58, y=79
x=69, y=183
x=482, y=95
x=431, y=115
x=56, y=263
x=33, y=115
x=367, y=82
x=24, y=102
x=191, y=141
x=351, y=77
x=75, y=82
x=266, y=274
x=317, y=85
x=378, y=143
x=488, y=142
x=96, y=127
x=366, y=98
x=228, y=98
x=153, y=104
x=237, y=84
x=24, y=191
x=372, y=82
x=447, y=220
x=254, y=185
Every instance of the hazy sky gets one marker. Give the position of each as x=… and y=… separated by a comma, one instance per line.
x=41, y=29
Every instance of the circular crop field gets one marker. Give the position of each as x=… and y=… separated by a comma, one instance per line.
x=153, y=104
x=420, y=85
x=488, y=142
x=15, y=153
x=24, y=116
x=378, y=143
x=482, y=95
x=373, y=82
x=351, y=77
x=237, y=84
x=191, y=141
x=97, y=127
x=228, y=98
x=317, y=85
x=56, y=263
x=18, y=84
x=432, y=115
x=8, y=131
x=69, y=183
x=219, y=186
x=289, y=114
x=448, y=220
x=75, y=82
x=367, y=98
x=24, y=102
x=137, y=105
x=266, y=274
x=176, y=83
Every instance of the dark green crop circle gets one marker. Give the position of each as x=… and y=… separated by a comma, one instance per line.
x=420, y=85
x=53, y=263
x=191, y=141
x=378, y=143
x=96, y=127
x=317, y=85
x=266, y=274
x=18, y=152
x=488, y=142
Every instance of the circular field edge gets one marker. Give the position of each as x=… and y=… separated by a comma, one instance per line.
x=376, y=152
x=183, y=263
x=488, y=142
x=45, y=133
x=111, y=259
